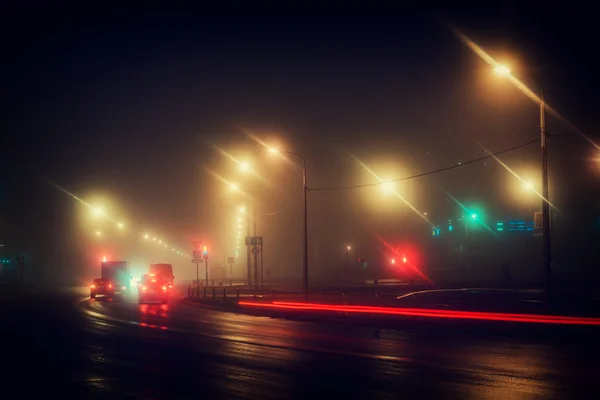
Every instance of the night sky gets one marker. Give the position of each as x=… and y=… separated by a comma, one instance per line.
x=130, y=104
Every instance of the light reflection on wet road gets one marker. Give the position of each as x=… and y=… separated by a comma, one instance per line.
x=122, y=349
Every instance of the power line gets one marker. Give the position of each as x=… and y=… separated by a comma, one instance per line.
x=436, y=171
x=283, y=209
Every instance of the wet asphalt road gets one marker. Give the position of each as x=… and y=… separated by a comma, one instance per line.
x=62, y=344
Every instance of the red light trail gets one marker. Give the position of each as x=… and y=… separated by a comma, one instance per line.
x=423, y=312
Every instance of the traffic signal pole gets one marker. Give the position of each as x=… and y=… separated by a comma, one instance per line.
x=197, y=280
x=206, y=269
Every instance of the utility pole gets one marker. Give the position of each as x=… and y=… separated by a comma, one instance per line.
x=305, y=266
x=547, y=249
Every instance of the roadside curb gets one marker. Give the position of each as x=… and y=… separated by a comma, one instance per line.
x=213, y=304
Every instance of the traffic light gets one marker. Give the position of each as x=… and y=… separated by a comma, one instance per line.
x=205, y=251
x=393, y=261
x=404, y=259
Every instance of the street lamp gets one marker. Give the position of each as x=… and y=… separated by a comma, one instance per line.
x=244, y=166
x=348, y=248
x=547, y=249
x=97, y=211
x=305, y=191
x=502, y=70
x=387, y=187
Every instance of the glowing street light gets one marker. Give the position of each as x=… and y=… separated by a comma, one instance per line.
x=502, y=70
x=160, y=241
x=145, y=236
x=273, y=150
x=473, y=216
x=388, y=187
x=528, y=186
x=244, y=166
x=242, y=209
x=98, y=233
x=120, y=225
x=234, y=187
x=97, y=211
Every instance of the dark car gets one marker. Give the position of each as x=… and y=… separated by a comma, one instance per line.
x=101, y=287
x=152, y=288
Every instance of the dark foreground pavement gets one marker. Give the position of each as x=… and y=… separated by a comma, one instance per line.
x=61, y=344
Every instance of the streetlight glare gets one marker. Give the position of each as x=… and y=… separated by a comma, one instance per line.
x=502, y=70
x=234, y=187
x=273, y=150
x=97, y=211
x=242, y=209
x=473, y=216
x=528, y=186
x=98, y=233
x=348, y=248
x=388, y=187
x=120, y=225
x=244, y=166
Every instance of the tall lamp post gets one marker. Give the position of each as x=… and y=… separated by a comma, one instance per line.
x=305, y=191
x=546, y=246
